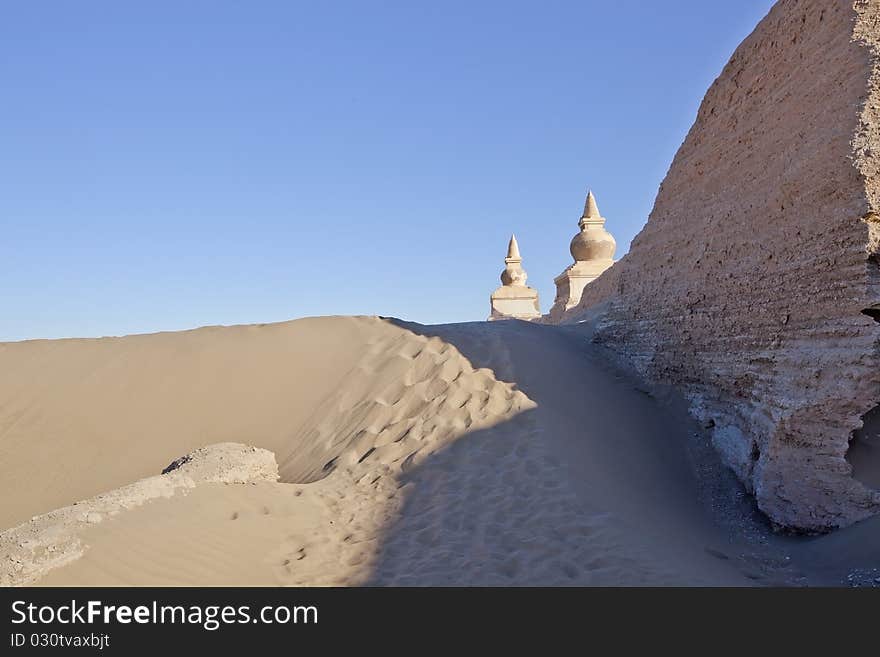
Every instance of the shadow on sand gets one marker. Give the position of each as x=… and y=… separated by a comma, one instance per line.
x=595, y=486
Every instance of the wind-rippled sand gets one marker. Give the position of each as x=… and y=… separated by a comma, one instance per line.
x=359, y=450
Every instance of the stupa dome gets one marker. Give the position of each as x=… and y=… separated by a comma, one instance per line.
x=593, y=242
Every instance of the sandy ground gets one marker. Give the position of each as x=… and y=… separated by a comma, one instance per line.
x=474, y=454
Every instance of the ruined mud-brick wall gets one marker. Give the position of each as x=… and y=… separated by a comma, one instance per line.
x=748, y=284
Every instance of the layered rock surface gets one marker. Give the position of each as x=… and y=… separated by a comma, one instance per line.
x=755, y=283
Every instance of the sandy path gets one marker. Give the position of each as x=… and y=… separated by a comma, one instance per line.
x=593, y=486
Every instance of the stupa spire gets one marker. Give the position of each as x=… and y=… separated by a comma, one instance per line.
x=591, y=210
x=513, y=251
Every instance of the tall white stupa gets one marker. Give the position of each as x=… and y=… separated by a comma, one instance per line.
x=593, y=252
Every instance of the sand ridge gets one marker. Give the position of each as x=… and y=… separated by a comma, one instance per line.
x=501, y=453
x=404, y=397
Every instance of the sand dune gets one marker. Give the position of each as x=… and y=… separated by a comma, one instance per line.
x=53, y=539
x=79, y=417
x=472, y=454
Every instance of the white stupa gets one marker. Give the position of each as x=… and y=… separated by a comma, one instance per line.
x=593, y=252
x=514, y=299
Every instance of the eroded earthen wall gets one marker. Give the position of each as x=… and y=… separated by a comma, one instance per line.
x=748, y=284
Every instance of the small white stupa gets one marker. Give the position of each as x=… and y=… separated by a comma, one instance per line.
x=593, y=252
x=514, y=299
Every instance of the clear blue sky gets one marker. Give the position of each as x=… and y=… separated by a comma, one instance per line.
x=166, y=165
